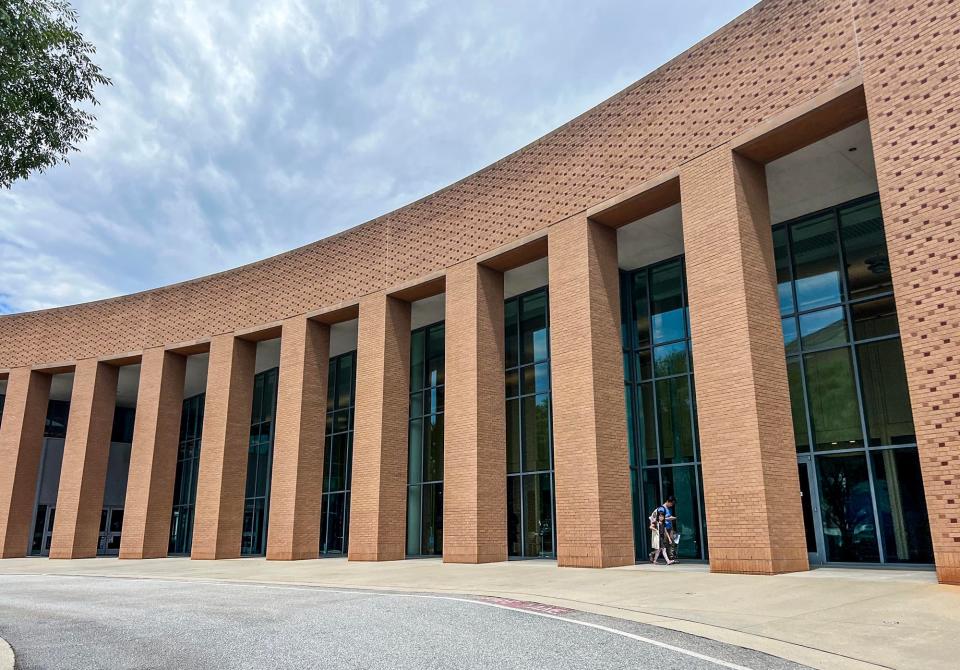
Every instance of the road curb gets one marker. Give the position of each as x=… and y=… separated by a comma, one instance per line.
x=7, y=658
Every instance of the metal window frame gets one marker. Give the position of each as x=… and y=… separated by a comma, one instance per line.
x=521, y=473
x=425, y=387
x=852, y=346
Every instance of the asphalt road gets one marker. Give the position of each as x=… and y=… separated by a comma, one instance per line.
x=90, y=622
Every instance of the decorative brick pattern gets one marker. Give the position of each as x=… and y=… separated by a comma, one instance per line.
x=86, y=450
x=296, y=484
x=21, y=445
x=153, y=456
x=750, y=482
x=776, y=55
x=218, y=521
x=474, y=447
x=594, y=528
x=378, y=497
x=911, y=69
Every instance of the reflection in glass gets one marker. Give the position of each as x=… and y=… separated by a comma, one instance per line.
x=781, y=255
x=681, y=483
x=834, y=409
x=883, y=381
x=338, y=451
x=797, y=406
x=425, y=443
x=536, y=433
x=533, y=328
x=823, y=328
x=666, y=301
x=259, y=464
x=673, y=412
x=816, y=263
x=791, y=335
x=529, y=448
x=670, y=359
x=865, y=247
x=660, y=397
x=847, y=508
x=186, y=475
x=874, y=318
x=902, y=508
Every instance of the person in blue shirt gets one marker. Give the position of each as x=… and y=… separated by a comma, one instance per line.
x=666, y=509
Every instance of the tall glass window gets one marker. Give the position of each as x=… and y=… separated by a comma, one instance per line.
x=2, y=399
x=848, y=385
x=338, y=454
x=531, y=530
x=58, y=412
x=425, y=469
x=188, y=471
x=259, y=464
x=661, y=406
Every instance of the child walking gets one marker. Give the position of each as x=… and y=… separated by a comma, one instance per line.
x=660, y=539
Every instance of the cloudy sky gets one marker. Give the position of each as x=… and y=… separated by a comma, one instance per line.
x=237, y=130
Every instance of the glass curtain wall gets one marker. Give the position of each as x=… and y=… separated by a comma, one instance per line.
x=425, y=464
x=848, y=387
x=338, y=454
x=55, y=426
x=188, y=471
x=531, y=530
x=661, y=405
x=259, y=464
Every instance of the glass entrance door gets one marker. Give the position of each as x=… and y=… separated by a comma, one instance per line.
x=43, y=530
x=111, y=525
x=811, y=510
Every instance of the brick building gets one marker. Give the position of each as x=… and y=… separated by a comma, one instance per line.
x=735, y=282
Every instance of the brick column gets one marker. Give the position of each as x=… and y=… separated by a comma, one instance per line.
x=297, y=480
x=474, y=449
x=751, y=488
x=86, y=450
x=910, y=65
x=153, y=457
x=592, y=470
x=221, y=483
x=378, y=495
x=21, y=444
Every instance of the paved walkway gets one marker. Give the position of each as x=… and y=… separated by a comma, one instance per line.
x=826, y=618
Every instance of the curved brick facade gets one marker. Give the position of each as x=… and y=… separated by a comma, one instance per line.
x=697, y=130
x=768, y=60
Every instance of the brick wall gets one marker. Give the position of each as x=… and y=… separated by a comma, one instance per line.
x=594, y=524
x=911, y=71
x=750, y=484
x=776, y=55
x=378, y=494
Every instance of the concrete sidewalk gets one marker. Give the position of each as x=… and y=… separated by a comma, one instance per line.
x=827, y=618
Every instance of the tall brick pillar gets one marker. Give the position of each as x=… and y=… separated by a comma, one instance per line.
x=221, y=483
x=751, y=488
x=153, y=456
x=378, y=495
x=21, y=445
x=594, y=522
x=86, y=450
x=910, y=64
x=474, y=449
x=297, y=480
